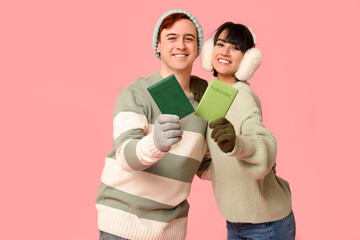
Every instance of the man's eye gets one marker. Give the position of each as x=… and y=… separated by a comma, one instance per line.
x=171, y=38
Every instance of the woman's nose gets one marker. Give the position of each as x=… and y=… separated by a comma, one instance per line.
x=225, y=51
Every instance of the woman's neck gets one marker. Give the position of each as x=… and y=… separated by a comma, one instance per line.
x=230, y=80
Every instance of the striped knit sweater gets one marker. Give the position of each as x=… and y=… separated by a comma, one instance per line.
x=143, y=191
x=245, y=186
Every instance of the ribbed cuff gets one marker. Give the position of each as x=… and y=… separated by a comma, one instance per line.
x=147, y=151
x=242, y=148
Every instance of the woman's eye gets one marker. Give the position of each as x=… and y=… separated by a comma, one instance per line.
x=219, y=44
x=236, y=48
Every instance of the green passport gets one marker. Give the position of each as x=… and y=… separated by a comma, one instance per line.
x=216, y=100
x=170, y=97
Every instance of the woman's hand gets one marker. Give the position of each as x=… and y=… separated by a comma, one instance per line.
x=223, y=133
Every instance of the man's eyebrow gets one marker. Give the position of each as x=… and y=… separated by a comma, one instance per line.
x=174, y=34
x=171, y=34
x=189, y=34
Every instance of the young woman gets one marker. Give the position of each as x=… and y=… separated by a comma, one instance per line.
x=249, y=194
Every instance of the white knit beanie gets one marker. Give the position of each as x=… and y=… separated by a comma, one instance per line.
x=192, y=18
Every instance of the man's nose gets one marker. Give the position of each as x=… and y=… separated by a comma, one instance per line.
x=181, y=44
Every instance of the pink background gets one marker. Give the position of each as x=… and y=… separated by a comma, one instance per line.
x=62, y=64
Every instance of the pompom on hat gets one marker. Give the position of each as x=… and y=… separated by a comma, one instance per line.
x=250, y=62
x=192, y=18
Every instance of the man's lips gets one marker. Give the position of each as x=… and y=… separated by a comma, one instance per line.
x=180, y=55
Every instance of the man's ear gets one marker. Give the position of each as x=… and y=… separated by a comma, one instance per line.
x=158, y=48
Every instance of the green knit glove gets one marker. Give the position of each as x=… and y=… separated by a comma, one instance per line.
x=223, y=133
x=198, y=87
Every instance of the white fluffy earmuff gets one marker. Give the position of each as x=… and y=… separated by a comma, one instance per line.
x=250, y=62
x=206, y=54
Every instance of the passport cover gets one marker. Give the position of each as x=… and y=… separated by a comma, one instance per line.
x=216, y=100
x=170, y=97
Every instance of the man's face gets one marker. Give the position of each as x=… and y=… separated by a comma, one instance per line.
x=178, y=46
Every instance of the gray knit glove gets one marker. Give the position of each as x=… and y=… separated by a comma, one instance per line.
x=167, y=131
x=223, y=133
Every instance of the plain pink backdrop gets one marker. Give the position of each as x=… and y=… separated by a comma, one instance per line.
x=62, y=64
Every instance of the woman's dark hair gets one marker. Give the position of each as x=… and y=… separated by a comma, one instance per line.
x=237, y=34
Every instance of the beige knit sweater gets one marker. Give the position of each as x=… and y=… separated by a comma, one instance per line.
x=245, y=185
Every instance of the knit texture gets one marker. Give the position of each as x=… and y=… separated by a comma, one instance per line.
x=192, y=18
x=143, y=191
x=245, y=186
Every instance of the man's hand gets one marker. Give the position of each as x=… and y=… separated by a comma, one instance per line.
x=167, y=131
x=223, y=133
x=198, y=87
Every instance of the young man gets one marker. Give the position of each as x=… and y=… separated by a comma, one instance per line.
x=147, y=176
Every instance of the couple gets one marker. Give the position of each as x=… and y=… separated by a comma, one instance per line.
x=147, y=176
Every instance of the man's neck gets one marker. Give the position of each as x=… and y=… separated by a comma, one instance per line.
x=183, y=78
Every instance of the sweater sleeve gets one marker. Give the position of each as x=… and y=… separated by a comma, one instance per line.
x=255, y=146
x=132, y=133
x=204, y=171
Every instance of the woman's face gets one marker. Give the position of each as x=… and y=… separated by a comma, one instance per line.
x=226, y=57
